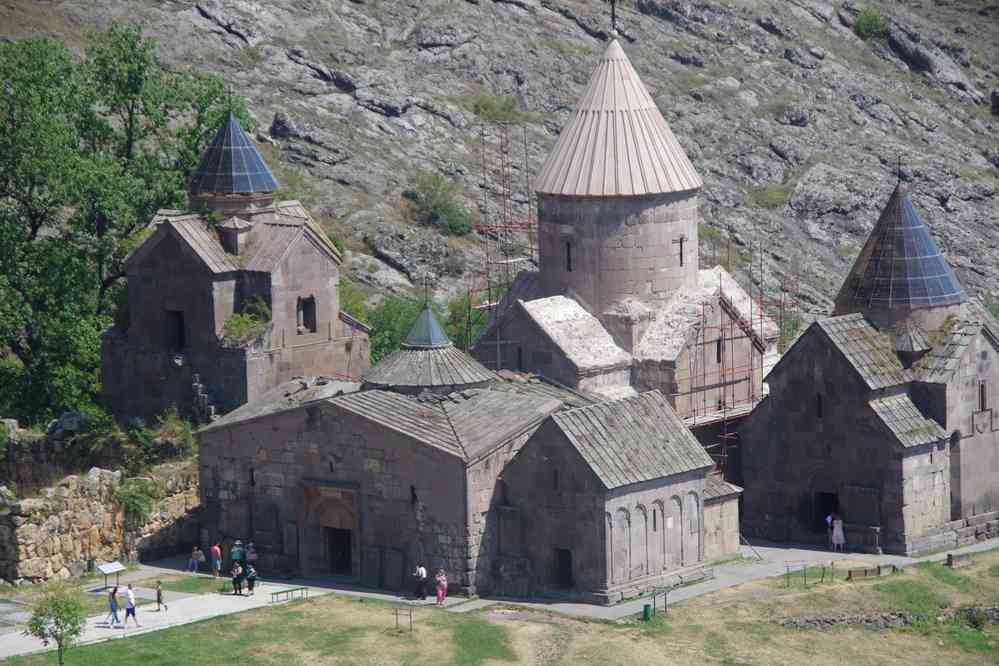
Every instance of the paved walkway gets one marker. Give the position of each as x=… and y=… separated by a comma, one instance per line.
x=774, y=563
x=184, y=609
x=187, y=608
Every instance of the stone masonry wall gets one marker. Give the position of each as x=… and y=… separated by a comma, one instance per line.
x=76, y=521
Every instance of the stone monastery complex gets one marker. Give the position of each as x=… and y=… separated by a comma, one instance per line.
x=564, y=455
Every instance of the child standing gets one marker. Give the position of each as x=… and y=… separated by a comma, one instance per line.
x=159, y=597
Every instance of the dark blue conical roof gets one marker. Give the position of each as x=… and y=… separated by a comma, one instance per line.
x=427, y=332
x=900, y=266
x=232, y=164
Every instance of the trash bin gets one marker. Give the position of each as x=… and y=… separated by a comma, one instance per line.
x=646, y=612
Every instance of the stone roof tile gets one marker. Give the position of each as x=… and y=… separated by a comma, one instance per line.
x=870, y=353
x=633, y=440
x=906, y=422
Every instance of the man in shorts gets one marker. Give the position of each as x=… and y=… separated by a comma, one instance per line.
x=130, y=606
x=216, y=560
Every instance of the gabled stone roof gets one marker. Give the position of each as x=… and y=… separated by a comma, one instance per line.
x=232, y=164
x=272, y=234
x=906, y=422
x=289, y=395
x=633, y=440
x=716, y=488
x=424, y=422
x=900, y=265
x=940, y=363
x=869, y=352
x=578, y=334
x=617, y=143
x=678, y=323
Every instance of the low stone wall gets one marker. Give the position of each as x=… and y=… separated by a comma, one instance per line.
x=79, y=522
x=887, y=620
x=957, y=533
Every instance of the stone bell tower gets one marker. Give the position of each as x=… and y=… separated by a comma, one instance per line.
x=618, y=204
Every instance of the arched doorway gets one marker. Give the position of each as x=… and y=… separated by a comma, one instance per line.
x=332, y=537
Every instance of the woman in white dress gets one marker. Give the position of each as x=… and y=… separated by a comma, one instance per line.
x=838, y=537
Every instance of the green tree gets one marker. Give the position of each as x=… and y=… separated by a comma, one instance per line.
x=89, y=149
x=58, y=618
x=392, y=320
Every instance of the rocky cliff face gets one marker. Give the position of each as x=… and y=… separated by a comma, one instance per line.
x=797, y=125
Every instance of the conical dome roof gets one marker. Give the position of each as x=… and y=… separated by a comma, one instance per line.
x=427, y=361
x=900, y=267
x=232, y=164
x=617, y=143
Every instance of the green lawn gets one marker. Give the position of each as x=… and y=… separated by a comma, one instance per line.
x=192, y=584
x=740, y=625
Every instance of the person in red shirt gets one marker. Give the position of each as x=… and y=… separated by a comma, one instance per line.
x=216, y=560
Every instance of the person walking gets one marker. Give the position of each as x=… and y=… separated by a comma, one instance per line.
x=237, y=579
x=829, y=519
x=251, y=553
x=159, y=597
x=441, y=579
x=838, y=536
x=130, y=607
x=421, y=581
x=216, y=560
x=251, y=578
x=113, y=607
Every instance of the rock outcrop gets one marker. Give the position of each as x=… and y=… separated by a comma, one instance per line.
x=766, y=105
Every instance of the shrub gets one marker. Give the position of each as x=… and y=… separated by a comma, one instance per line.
x=976, y=618
x=434, y=201
x=137, y=498
x=772, y=196
x=242, y=327
x=174, y=435
x=870, y=24
x=494, y=108
x=337, y=243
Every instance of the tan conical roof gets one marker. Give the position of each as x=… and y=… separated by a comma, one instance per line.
x=617, y=143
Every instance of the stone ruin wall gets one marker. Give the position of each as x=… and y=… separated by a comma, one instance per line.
x=59, y=532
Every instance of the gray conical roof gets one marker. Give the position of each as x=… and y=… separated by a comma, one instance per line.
x=427, y=361
x=232, y=164
x=617, y=143
x=427, y=332
x=900, y=266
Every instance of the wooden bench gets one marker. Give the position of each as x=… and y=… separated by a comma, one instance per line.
x=289, y=593
x=873, y=572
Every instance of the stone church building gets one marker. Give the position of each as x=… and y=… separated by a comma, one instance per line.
x=884, y=412
x=236, y=250
x=620, y=303
x=514, y=483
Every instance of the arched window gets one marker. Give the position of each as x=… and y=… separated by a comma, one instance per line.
x=983, y=396
x=818, y=405
x=568, y=257
x=655, y=526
